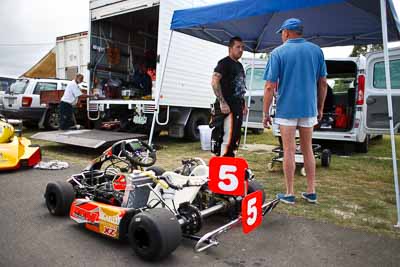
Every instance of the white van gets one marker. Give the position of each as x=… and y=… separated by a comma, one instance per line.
x=357, y=109
x=360, y=96
x=256, y=91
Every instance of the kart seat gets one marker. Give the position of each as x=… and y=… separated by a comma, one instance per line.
x=200, y=170
x=186, y=194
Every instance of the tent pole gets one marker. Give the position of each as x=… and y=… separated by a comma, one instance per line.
x=156, y=109
x=390, y=106
x=249, y=99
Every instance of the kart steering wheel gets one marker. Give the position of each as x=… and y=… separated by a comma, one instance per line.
x=138, y=153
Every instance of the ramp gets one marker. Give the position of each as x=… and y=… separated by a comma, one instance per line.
x=86, y=138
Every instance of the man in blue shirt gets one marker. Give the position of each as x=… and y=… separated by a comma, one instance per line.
x=296, y=70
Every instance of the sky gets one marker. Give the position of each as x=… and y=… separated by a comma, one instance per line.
x=28, y=30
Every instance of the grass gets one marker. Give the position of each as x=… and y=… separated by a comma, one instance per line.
x=356, y=191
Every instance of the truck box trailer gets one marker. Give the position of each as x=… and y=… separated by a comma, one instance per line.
x=72, y=55
x=127, y=34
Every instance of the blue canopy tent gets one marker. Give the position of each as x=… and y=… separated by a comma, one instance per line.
x=326, y=23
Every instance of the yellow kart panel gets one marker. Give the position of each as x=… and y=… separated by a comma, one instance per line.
x=13, y=149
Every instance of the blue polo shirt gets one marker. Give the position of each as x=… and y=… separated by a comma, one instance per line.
x=297, y=66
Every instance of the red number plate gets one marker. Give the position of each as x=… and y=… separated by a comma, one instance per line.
x=251, y=211
x=227, y=175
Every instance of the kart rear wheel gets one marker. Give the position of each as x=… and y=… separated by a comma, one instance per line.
x=255, y=186
x=59, y=197
x=154, y=234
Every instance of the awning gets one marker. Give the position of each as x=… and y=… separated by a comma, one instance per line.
x=326, y=22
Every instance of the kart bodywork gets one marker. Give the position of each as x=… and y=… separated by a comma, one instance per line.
x=16, y=151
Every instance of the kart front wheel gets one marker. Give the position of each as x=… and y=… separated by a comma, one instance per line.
x=154, y=234
x=59, y=197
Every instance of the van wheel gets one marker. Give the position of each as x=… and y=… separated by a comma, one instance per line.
x=196, y=119
x=154, y=234
x=325, y=158
x=52, y=121
x=363, y=147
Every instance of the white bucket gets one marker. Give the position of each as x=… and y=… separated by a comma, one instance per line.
x=205, y=137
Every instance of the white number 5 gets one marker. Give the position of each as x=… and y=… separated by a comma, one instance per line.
x=251, y=211
x=232, y=179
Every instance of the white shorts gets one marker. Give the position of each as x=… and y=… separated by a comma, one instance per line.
x=301, y=122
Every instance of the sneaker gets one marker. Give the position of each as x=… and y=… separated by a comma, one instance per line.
x=309, y=197
x=288, y=199
x=75, y=127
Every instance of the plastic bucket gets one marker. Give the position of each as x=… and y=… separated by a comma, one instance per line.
x=205, y=137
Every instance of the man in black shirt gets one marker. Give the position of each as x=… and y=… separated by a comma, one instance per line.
x=228, y=83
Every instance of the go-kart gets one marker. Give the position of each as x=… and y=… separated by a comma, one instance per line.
x=16, y=151
x=151, y=208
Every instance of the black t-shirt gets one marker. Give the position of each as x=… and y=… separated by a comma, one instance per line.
x=233, y=83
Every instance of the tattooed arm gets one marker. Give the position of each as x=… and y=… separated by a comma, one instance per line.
x=216, y=85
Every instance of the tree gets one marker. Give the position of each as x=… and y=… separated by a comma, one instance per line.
x=363, y=49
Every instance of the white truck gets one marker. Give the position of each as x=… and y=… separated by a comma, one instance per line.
x=125, y=33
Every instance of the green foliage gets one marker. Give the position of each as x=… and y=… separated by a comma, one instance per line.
x=363, y=49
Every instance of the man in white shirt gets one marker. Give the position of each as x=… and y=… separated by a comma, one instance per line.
x=68, y=101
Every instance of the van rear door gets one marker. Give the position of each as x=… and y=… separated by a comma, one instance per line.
x=376, y=108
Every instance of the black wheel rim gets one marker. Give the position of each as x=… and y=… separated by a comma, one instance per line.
x=141, y=238
x=54, y=120
x=51, y=202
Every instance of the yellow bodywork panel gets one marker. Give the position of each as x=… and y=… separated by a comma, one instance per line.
x=6, y=132
x=13, y=148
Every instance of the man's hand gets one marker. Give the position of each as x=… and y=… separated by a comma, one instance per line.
x=224, y=107
x=320, y=114
x=245, y=110
x=267, y=121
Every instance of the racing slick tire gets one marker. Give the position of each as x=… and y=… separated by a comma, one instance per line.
x=59, y=197
x=154, y=234
x=156, y=169
x=255, y=186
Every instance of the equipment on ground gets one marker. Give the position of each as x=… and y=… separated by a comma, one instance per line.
x=323, y=154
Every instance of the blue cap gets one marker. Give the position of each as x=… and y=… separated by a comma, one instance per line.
x=291, y=24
